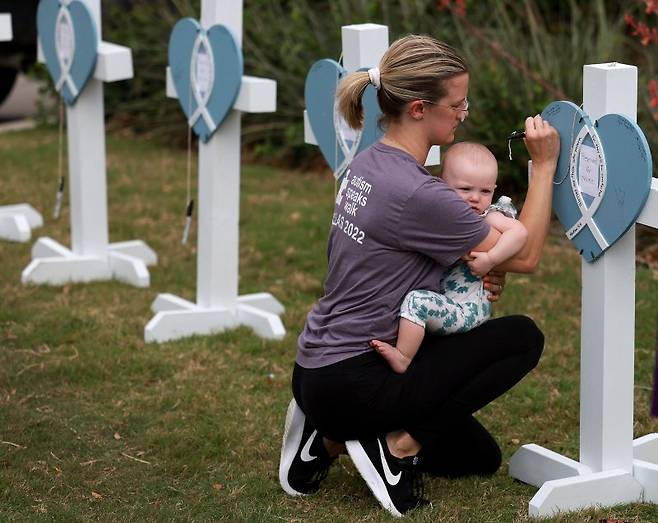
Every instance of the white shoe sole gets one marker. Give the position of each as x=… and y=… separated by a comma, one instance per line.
x=370, y=474
x=292, y=438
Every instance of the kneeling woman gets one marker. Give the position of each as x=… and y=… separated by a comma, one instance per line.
x=413, y=226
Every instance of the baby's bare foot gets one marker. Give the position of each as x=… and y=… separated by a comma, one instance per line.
x=391, y=355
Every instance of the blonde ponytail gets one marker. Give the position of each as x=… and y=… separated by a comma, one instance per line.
x=350, y=96
x=414, y=67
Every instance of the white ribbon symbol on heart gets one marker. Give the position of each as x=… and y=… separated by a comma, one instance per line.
x=65, y=48
x=587, y=213
x=202, y=92
x=348, y=152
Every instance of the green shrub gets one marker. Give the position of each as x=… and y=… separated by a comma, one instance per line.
x=523, y=54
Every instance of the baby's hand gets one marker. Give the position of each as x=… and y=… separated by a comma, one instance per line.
x=481, y=263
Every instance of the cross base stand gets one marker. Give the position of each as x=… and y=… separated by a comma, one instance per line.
x=17, y=222
x=565, y=484
x=178, y=318
x=54, y=264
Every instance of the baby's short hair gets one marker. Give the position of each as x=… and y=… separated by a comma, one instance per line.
x=471, y=151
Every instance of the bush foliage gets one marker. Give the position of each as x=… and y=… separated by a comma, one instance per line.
x=523, y=55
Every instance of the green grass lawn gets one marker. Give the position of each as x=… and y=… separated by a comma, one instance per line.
x=97, y=425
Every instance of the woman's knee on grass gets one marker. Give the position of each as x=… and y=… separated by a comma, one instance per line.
x=527, y=338
x=533, y=337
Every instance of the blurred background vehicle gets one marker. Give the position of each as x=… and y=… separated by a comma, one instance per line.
x=19, y=54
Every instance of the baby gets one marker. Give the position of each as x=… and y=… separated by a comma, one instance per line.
x=471, y=169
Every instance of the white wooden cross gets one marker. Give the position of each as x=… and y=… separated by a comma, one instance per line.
x=91, y=257
x=613, y=468
x=218, y=305
x=6, y=33
x=16, y=221
x=363, y=47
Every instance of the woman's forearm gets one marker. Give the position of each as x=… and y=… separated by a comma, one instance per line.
x=536, y=217
x=543, y=144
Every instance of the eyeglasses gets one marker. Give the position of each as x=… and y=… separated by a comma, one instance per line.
x=460, y=108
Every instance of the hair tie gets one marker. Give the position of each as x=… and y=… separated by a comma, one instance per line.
x=375, y=77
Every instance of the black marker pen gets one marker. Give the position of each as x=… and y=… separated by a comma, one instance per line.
x=515, y=135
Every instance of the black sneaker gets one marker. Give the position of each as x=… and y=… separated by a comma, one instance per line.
x=396, y=482
x=304, y=460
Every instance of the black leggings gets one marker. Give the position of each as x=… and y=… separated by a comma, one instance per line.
x=450, y=378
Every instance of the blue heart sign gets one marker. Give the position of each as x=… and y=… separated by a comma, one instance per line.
x=338, y=142
x=69, y=40
x=603, y=176
x=206, y=67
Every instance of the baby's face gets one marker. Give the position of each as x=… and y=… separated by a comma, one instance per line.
x=474, y=183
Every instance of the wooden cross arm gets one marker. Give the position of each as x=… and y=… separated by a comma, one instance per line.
x=5, y=28
x=309, y=137
x=257, y=95
x=649, y=215
x=433, y=156
x=113, y=63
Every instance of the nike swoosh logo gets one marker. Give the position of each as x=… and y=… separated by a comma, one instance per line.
x=390, y=477
x=306, y=455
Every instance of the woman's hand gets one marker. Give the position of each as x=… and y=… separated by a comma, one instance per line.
x=542, y=141
x=494, y=283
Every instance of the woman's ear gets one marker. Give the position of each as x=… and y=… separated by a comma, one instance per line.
x=416, y=109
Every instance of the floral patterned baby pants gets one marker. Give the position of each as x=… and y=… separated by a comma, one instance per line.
x=461, y=304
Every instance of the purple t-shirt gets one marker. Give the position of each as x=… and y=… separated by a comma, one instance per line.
x=395, y=228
